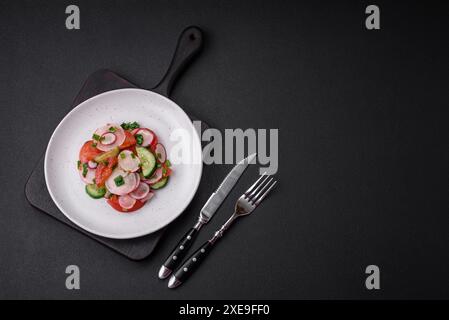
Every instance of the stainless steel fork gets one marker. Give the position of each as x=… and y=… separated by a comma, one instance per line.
x=244, y=206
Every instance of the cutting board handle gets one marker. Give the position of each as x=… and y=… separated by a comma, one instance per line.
x=189, y=44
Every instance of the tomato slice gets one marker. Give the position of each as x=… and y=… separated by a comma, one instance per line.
x=104, y=171
x=113, y=202
x=129, y=140
x=88, y=152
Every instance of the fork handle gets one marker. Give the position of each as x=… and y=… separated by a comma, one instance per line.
x=190, y=265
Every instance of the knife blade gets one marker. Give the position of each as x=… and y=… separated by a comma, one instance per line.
x=217, y=197
x=207, y=212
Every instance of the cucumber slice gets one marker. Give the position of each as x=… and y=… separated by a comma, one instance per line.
x=147, y=161
x=160, y=184
x=94, y=191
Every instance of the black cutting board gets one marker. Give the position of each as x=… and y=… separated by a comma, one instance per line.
x=102, y=81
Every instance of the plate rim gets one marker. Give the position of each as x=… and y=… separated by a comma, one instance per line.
x=137, y=234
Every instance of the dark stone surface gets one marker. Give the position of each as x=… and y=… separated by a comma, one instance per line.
x=363, y=122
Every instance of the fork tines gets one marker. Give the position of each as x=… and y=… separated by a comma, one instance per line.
x=259, y=190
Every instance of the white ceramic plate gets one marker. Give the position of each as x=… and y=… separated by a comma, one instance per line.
x=67, y=190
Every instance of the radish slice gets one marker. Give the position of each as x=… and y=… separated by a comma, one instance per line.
x=147, y=136
x=155, y=177
x=128, y=161
x=92, y=164
x=117, y=131
x=137, y=181
x=128, y=185
x=126, y=202
x=108, y=138
x=90, y=175
x=118, y=172
x=160, y=153
x=141, y=192
x=148, y=197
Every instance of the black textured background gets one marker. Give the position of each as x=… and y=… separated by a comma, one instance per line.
x=363, y=120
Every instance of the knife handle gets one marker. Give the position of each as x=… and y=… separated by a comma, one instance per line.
x=190, y=265
x=193, y=262
x=178, y=254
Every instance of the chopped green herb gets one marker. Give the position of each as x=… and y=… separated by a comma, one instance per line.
x=134, y=125
x=133, y=155
x=122, y=155
x=84, y=169
x=130, y=125
x=94, y=145
x=96, y=137
x=106, y=163
x=164, y=171
x=168, y=163
x=112, y=129
x=78, y=165
x=159, y=165
x=102, y=138
x=158, y=155
x=139, y=139
x=119, y=181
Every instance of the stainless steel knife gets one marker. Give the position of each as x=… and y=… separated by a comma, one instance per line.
x=207, y=212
